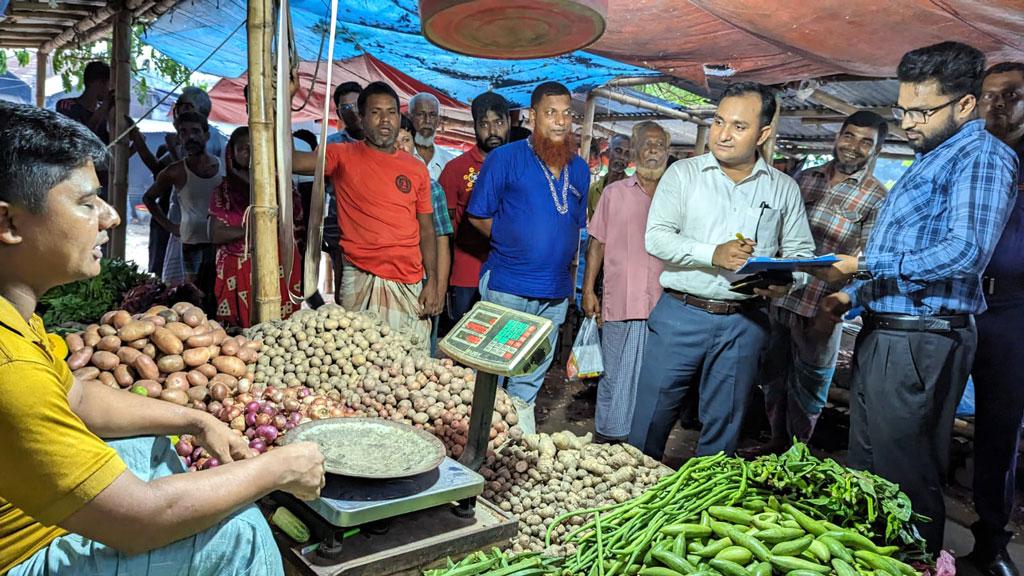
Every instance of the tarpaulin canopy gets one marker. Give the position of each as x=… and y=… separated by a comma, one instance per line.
x=387, y=29
x=780, y=41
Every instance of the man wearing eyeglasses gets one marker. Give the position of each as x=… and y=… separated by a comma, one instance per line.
x=919, y=278
x=1000, y=358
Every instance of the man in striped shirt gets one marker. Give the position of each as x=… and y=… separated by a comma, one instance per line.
x=842, y=200
x=919, y=278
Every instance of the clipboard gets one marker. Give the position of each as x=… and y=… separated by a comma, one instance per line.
x=762, y=264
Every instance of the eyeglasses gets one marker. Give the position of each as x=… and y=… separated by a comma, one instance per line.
x=347, y=107
x=920, y=116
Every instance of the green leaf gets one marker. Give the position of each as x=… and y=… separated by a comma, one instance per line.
x=23, y=57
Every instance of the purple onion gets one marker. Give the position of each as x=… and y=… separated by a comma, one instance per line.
x=268, y=432
x=250, y=433
x=268, y=409
x=279, y=421
x=290, y=425
x=184, y=448
x=258, y=445
x=253, y=406
x=250, y=418
x=303, y=392
x=295, y=417
x=212, y=463
x=198, y=453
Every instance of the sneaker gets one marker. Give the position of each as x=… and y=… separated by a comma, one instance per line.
x=999, y=565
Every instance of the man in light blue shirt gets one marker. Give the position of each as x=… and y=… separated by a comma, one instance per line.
x=708, y=216
x=425, y=113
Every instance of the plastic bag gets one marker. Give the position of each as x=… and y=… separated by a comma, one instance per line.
x=585, y=360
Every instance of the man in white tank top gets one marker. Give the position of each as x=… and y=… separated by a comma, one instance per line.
x=193, y=179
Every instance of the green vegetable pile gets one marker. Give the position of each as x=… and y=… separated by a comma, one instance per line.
x=498, y=563
x=85, y=301
x=792, y=514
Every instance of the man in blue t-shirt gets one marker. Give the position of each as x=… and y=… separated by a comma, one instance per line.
x=531, y=201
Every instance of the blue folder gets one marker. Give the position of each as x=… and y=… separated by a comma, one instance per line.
x=761, y=263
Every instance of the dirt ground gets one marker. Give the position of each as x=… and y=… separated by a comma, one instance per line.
x=566, y=405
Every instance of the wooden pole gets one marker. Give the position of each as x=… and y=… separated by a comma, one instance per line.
x=587, y=135
x=266, y=283
x=701, y=144
x=41, y=59
x=768, y=148
x=118, y=175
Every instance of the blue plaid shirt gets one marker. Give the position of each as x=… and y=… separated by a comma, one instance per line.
x=938, y=228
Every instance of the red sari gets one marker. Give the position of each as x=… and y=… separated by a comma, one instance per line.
x=233, y=287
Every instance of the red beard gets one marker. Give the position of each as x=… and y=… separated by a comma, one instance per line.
x=554, y=154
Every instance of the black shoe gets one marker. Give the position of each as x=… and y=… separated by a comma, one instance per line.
x=762, y=450
x=602, y=439
x=998, y=565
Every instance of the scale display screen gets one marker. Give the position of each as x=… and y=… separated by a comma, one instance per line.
x=498, y=340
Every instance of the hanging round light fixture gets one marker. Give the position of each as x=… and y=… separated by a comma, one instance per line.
x=513, y=29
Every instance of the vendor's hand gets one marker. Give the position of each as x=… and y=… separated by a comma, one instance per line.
x=832, y=309
x=221, y=441
x=592, y=305
x=302, y=469
x=429, y=303
x=773, y=291
x=733, y=254
x=840, y=271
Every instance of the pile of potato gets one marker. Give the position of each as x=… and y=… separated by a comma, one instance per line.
x=543, y=476
x=376, y=371
x=175, y=354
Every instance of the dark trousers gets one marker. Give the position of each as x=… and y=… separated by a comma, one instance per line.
x=906, y=385
x=201, y=268
x=999, y=403
x=721, y=353
x=157, y=248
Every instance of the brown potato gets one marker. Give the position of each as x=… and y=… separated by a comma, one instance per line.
x=193, y=317
x=153, y=388
x=228, y=380
x=149, y=350
x=219, y=336
x=229, y=347
x=197, y=378
x=166, y=341
x=105, y=330
x=214, y=350
x=146, y=367
x=230, y=365
x=80, y=358
x=208, y=370
x=139, y=344
x=120, y=319
x=87, y=373
x=176, y=381
x=91, y=337
x=108, y=380
x=108, y=317
x=157, y=320
x=170, y=363
x=136, y=329
x=247, y=355
x=74, y=342
x=198, y=393
x=105, y=360
x=128, y=355
x=200, y=340
x=180, y=330
x=156, y=309
x=168, y=315
x=178, y=397
x=196, y=357
x=109, y=344
x=181, y=307
x=124, y=376
x=254, y=345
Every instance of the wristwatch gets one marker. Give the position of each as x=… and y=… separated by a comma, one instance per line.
x=862, y=272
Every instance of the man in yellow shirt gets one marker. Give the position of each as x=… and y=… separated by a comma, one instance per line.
x=71, y=503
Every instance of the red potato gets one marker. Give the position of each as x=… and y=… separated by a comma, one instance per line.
x=124, y=376
x=219, y=336
x=180, y=330
x=247, y=355
x=146, y=368
x=120, y=319
x=229, y=347
x=196, y=357
x=228, y=380
x=109, y=344
x=105, y=330
x=200, y=340
x=87, y=373
x=176, y=381
x=230, y=365
x=139, y=344
x=178, y=397
x=105, y=360
x=197, y=378
x=128, y=355
x=136, y=329
x=193, y=317
x=157, y=320
x=108, y=317
x=166, y=342
x=170, y=363
x=149, y=350
x=91, y=337
x=153, y=388
x=180, y=307
x=208, y=370
x=74, y=342
x=80, y=358
x=108, y=380
x=198, y=393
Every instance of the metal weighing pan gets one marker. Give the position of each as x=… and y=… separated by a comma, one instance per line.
x=371, y=447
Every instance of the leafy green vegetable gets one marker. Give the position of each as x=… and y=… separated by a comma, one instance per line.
x=87, y=300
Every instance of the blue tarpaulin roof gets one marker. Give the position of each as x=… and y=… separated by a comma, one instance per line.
x=387, y=29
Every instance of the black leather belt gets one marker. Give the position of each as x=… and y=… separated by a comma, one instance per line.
x=918, y=323
x=715, y=306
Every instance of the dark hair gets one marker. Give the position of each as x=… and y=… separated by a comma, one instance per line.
x=867, y=119
x=957, y=67
x=193, y=117
x=306, y=136
x=517, y=133
x=489, y=102
x=95, y=71
x=238, y=134
x=373, y=89
x=406, y=124
x=245, y=93
x=768, y=103
x=345, y=88
x=547, y=89
x=1003, y=68
x=38, y=150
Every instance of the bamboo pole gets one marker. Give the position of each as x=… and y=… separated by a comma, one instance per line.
x=641, y=103
x=266, y=284
x=587, y=135
x=41, y=59
x=121, y=71
x=700, y=146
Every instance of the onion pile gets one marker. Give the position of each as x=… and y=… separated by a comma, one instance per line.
x=175, y=354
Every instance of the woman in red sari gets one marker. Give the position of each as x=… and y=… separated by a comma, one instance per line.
x=228, y=206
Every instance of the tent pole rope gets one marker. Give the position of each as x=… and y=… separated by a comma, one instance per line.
x=315, y=230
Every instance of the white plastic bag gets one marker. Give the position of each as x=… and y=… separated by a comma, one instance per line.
x=585, y=360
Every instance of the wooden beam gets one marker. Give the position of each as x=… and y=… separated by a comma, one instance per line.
x=21, y=42
x=61, y=10
x=121, y=72
x=701, y=144
x=829, y=101
x=15, y=27
x=587, y=135
x=641, y=103
x=631, y=117
x=266, y=285
x=36, y=18
x=41, y=59
x=639, y=80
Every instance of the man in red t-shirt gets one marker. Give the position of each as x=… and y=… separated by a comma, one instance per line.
x=491, y=124
x=384, y=212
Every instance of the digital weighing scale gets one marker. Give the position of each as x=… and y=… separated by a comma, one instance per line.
x=365, y=527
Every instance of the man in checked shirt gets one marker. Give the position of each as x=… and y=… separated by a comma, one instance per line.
x=842, y=200
x=919, y=278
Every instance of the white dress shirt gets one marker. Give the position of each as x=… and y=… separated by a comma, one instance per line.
x=697, y=207
x=437, y=162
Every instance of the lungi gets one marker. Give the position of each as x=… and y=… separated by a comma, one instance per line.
x=394, y=303
x=622, y=348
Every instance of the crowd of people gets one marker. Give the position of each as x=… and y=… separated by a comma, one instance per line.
x=418, y=234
